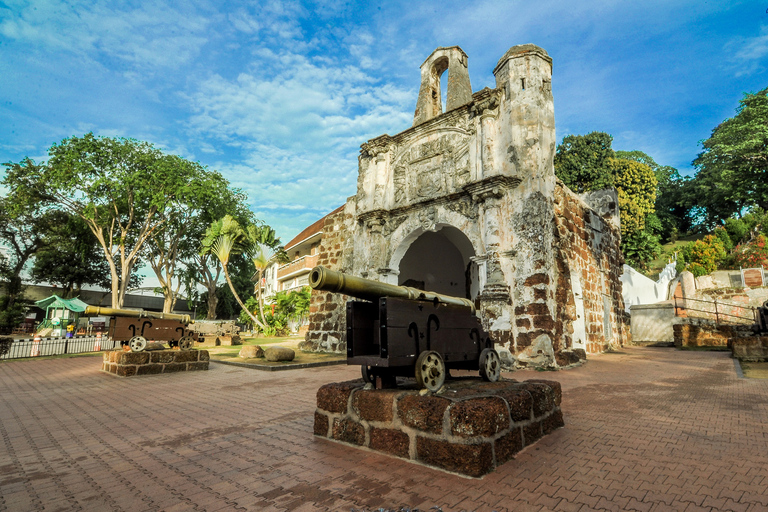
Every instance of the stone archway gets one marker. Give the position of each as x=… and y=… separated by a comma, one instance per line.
x=441, y=261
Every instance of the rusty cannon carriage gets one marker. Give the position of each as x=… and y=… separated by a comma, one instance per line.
x=133, y=327
x=402, y=331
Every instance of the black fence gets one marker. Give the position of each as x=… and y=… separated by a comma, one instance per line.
x=720, y=312
x=58, y=346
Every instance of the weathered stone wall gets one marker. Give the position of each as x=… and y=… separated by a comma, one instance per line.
x=327, y=325
x=128, y=364
x=542, y=265
x=470, y=429
x=588, y=239
x=701, y=332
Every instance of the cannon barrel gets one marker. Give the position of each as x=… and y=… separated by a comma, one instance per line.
x=136, y=313
x=324, y=279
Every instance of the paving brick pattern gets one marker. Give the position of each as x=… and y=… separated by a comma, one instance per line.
x=646, y=429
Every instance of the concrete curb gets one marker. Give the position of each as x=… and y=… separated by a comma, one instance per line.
x=268, y=368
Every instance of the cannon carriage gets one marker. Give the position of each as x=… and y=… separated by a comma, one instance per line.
x=132, y=327
x=402, y=331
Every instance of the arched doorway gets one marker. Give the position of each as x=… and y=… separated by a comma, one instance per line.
x=439, y=261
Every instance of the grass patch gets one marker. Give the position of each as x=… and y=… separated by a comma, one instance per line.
x=667, y=251
x=230, y=353
x=755, y=370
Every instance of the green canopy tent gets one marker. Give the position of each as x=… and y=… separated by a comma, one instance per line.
x=59, y=313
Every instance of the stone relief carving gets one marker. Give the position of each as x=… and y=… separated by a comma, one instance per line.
x=463, y=207
x=428, y=218
x=392, y=224
x=431, y=168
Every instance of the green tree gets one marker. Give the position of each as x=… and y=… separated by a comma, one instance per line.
x=262, y=248
x=582, y=162
x=671, y=207
x=175, y=243
x=733, y=165
x=224, y=239
x=120, y=187
x=70, y=257
x=636, y=185
x=200, y=266
x=24, y=225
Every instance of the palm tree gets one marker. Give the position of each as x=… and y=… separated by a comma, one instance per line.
x=228, y=242
x=263, y=248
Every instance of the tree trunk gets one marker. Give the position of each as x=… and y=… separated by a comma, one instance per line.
x=213, y=303
x=237, y=298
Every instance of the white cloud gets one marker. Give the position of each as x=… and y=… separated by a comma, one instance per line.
x=749, y=53
x=152, y=34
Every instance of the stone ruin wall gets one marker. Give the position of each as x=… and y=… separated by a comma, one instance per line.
x=588, y=252
x=327, y=324
x=545, y=263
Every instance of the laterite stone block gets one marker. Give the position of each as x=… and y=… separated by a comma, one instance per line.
x=470, y=427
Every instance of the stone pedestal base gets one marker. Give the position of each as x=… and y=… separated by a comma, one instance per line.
x=750, y=348
x=470, y=428
x=128, y=364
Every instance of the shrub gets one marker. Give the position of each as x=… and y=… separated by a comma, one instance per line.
x=703, y=256
x=753, y=253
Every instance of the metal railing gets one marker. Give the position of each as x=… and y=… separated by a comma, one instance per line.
x=58, y=346
x=719, y=310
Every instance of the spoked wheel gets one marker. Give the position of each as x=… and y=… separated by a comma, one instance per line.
x=490, y=365
x=430, y=370
x=137, y=343
x=186, y=343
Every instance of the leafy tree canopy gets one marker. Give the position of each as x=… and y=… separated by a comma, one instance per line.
x=636, y=185
x=733, y=166
x=125, y=191
x=582, y=162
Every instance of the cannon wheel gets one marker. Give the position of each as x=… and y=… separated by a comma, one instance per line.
x=186, y=343
x=490, y=365
x=430, y=370
x=137, y=343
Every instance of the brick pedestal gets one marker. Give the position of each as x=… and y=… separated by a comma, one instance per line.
x=128, y=364
x=470, y=428
x=750, y=348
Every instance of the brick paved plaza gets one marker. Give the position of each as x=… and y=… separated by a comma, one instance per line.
x=646, y=429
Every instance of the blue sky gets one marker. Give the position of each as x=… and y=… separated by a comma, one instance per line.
x=278, y=96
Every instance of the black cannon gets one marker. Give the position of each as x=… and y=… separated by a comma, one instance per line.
x=407, y=332
x=761, y=327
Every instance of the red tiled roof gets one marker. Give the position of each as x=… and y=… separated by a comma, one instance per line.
x=313, y=229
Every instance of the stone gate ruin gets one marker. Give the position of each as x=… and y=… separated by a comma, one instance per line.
x=465, y=202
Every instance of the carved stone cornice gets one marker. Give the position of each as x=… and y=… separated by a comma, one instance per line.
x=376, y=146
x=495, y=293
x=494, y=186
x=485, y=102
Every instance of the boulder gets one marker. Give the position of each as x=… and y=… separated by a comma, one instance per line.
x=154, y=345
x=279, y=354
x=251, y=351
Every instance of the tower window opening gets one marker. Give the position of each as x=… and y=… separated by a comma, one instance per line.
x=522, y=83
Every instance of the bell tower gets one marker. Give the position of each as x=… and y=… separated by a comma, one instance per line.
x=429, y=105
